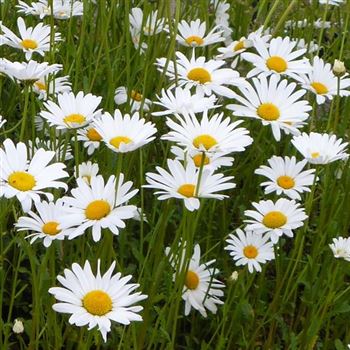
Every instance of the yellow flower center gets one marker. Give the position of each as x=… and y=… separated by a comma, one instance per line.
x=116, y=141
x=315, y=154
x=192, y=280
x=277, y=64
x=86, y=178
x=274, y=219
x=74, y=118
x=50, y=228
x=286, y=182
x=205, y=140
x=97, y=210
x=97, y=302
x=29, y=44
x=250, y=252
x=41, y=86
x=268, y=111
x=21, y=181
x=187, y=190
x=194, y=40
x=93, y=135
x=197, y=159
x=239, y=46
x=200, y=75
x=136, y=95
x=319, y=88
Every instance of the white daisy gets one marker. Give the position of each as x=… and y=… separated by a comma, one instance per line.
x=99, y=205
x=182, y=101
x=87, y=171
x=46, y=86
x=277, y=219
x=310, y=46
x=212, y=161
x=206, y=76
x=221, y=7
x=201, y=290
x=341, y=248
x=277, y=57
x=27, y=178
x=137, y=40
x=320, y=148
x=248, y=248
x=47, y=224
x=124, y=133
x=183, y=183
x=91, y=139
x=286, y=176
x=31, y=39
x=274, y=102
x=65, y=9
x=213, y=135
x=135, y=99
x=150, y=26
x=40, y=8
x=322, y=81
x=72, y=111
x=331, y=2
x=96, y=300
x=193, y=34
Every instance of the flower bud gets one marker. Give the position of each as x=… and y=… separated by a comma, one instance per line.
x=18, y=326
x=339, y=68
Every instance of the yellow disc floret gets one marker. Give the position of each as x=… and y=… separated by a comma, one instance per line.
x=116, y=141
x=97, y=302
x=187, y=190
x=319, y=88
x=239, y=46
x=75, y=118
x=201, y=75
x=286, y=182
x=205, y=140
x=198, y=159
x=274, y=219
x=250, y=252
x=268, y=111
x=136, y=96
x=29, y=44
x=192, y=280
x=50, y=228
x=194, y=40
x=40, y=85
x=97, y=210
x=276, y=63
x=21, y=181
x=93, y=135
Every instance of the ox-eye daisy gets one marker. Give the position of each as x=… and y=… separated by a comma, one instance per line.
x=201, y=290
x=181, y=101
x=99, y=205
x=47, y=223
x=27, y=178
x=183, y=183
x=149, y=26
x=91, y=139
x=193, y=34
x=250, y=249
x=124, y=133
x=46, y=86
x=286, y=177
x=31, y=40
x=206, y=76
x=213, y=135
x=97, y=300
x=274, y=102
x=135, y=98
x=278, y=218
x=322, y=81
x=72, y=111
x=320, y=148
x=341, y=248
x=278, y=57
x=87, y=171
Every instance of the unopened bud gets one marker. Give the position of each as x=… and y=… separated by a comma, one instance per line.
x=339, y=68
x=234, y=276
x=18, y=326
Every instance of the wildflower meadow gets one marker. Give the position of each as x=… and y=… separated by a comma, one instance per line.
x=174, y=174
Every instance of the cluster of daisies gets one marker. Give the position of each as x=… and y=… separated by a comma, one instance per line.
x=203, y=142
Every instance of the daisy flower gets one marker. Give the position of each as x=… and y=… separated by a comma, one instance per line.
x=331, y=2
x=276, y=219
x=274, y=102
x=40, y=8
x=341, y=248
x=65, y=9
x=87, y=171
x=149, y=26
x=136, y=100
x=97, y=300
x=193, y=34
x=320, y=148
x=136, y=39
x=124, y=133
x=72, y=111
x=286, y=177
x=202, y=290
x=221, y=7
x=323, y=83
x=27, y=178
x=212, y=135
x=47, y=224
x=212, y=161
x=46, y=86
x=91, y=139
x=181, y=101
x=247, y=248
x=99, y=205
x=183, y=183
x=31, y=40
x=277, y=57
x=206, y=76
